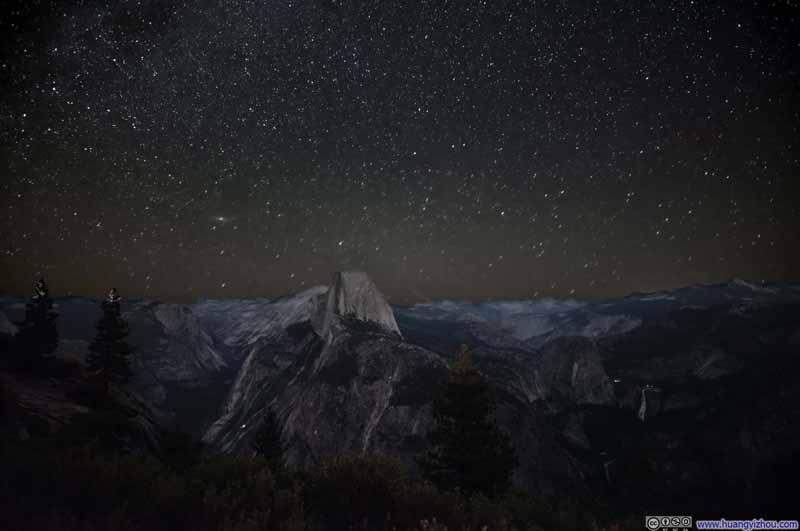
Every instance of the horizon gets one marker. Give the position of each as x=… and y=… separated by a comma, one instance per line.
x=57, y=294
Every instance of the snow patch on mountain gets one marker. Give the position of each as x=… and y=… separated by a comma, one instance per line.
x=529, y=326
x=657, y=297
x=738, y=282
x=492, y=311
x=531, y=322
x=610, y=324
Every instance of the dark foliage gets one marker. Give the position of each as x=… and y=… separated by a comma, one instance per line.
x=375, y=492
x=38, y=334
x=10, y=426
x=106, y=431
x=352, y=489
x=73, y=486
x=179, y=450
x=109, y=352
x=469, y=453
x=267, y=443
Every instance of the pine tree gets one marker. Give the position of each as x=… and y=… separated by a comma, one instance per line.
x=267, y=442
x=469, y=453
x=109, y=352
x=38, y=334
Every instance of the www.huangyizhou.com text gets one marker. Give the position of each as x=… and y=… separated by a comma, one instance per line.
x=747, y=525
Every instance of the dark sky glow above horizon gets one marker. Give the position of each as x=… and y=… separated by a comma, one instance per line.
x=462, y=150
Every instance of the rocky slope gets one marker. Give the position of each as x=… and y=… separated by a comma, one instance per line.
x=65, y=407
x=340, y=379
x=643, y=398
x=590, y=392
x=177, y=366
x=238, y=326
x=345, y=379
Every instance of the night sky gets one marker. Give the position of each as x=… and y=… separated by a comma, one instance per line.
x=463, y=150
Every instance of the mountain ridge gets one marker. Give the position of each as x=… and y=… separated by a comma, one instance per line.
x=585, y=389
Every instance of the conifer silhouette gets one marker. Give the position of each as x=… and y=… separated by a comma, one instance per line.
x=38, y=334
x=469, y=453
x=109, y=352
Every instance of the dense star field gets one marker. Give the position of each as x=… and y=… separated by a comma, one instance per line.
x=467, y=150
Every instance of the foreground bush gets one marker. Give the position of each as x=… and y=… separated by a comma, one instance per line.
x=89, y=491
x=354, y=490
x=81, y=489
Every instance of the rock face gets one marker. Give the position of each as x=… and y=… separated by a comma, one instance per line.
x=238, y=326
x=369, y=393
x=342, y=380
x=650, y=404
x=177, y=365
x=191, y=350
x=569, y=370
x=346, y=380
x=353, y=295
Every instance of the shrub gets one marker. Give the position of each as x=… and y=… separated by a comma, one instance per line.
x=353, y=489
x=79, y=488
x=93, y=490
x=179, y=450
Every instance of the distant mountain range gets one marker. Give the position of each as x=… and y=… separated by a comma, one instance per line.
x=652, y=395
